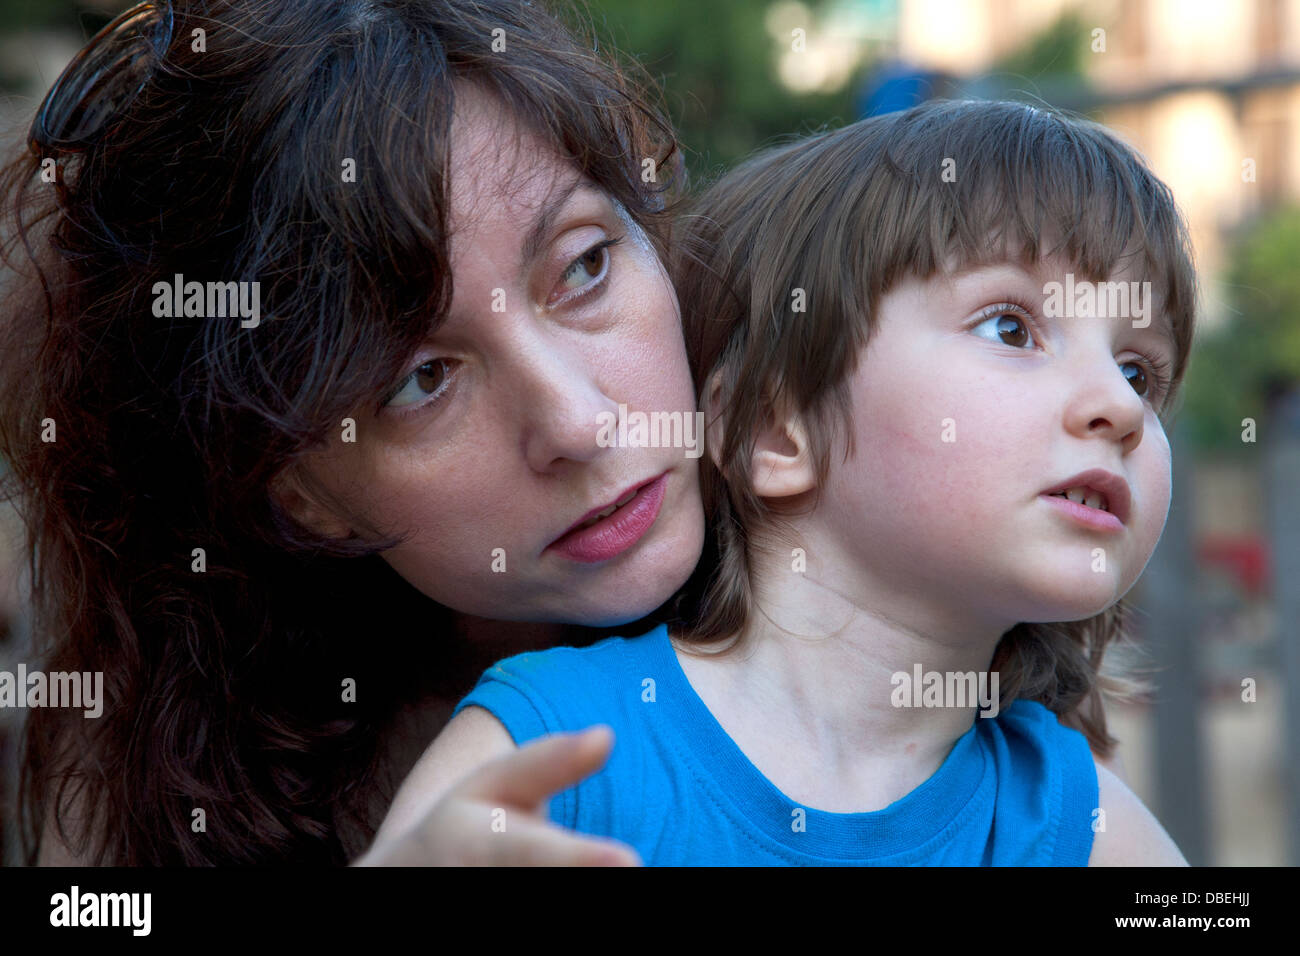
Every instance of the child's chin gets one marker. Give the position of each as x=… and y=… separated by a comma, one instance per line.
x=1060, y=606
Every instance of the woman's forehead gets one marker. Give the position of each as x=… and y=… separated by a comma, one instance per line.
x=497, y=158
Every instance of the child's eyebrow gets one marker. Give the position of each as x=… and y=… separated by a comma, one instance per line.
x=1161, y=323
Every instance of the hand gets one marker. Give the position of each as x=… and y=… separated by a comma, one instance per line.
x=496, y=816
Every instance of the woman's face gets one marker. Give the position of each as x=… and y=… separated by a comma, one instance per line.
x=492, y=449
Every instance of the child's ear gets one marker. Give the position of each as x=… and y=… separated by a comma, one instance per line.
x=712, y=408
x=291, y=492
x=782, y=461
x=781, y=464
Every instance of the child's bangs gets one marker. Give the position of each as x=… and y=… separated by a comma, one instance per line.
x=997, y=182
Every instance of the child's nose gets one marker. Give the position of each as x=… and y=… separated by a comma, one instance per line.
x=1103, y=402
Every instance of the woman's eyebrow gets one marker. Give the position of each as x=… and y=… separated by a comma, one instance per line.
x=545, y=221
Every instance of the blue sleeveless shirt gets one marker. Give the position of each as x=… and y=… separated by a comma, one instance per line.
x=1018, y=789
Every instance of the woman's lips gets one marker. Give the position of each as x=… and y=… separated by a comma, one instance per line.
x=615, y=534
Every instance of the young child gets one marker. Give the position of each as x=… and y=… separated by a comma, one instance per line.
x=937, y=350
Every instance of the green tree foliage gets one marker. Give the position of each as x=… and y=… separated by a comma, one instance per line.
x=76, y=19
x=1055, y=54
x=717, y=64
x=1257, y=349
x=63, y=14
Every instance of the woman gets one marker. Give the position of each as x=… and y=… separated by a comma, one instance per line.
x=444, y=222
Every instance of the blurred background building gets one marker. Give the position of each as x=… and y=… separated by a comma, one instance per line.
x=1209, y=92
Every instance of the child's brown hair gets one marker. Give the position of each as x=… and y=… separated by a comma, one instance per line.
x=846, y=215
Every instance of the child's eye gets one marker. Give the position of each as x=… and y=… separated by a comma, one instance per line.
x=1012, y=325
x=431, y=378
x=1153, y=383
x=1005, y=319
x=585, y=272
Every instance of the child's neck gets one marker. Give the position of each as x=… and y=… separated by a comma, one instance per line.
x=809, y=693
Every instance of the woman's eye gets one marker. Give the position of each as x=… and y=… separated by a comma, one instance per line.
x=587, y=266
x=587, y=270
x=430, y=379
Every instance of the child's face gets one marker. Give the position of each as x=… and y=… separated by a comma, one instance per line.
x=493, y=451
x=958, y=435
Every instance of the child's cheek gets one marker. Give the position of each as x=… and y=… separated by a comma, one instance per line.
x=1152, y=487
x=959, y=438
x=935, y=446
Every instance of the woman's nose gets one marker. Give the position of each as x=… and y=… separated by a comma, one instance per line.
x=562, y=407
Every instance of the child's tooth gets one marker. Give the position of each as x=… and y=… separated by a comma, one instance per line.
x=1075, y=494
x=1093, y=500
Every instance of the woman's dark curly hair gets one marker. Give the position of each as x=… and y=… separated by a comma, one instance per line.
x=222, y=687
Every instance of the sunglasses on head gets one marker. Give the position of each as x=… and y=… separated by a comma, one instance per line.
x=103, y=79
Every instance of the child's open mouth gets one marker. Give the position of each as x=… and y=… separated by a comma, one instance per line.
x=1096, y=498
x=1084, y=496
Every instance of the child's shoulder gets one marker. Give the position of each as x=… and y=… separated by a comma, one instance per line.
x=1032, y=714
x=1123, y=832
x=1128, y=834
x=1041, y=744
x=1031, y=720
x=1047, y=785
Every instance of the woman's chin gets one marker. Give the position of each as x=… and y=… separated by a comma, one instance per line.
x=624, y=602
x=598, y=613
